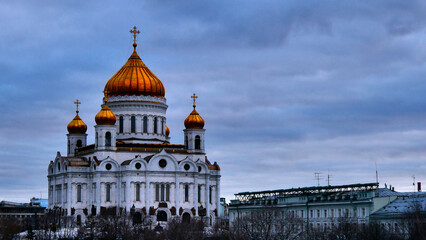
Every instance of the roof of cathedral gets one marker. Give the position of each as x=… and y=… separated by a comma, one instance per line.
x=194, y=120
x=76, y=161
x=147, y=158
x=77, y=126
x=105, y=116
x=134, y=78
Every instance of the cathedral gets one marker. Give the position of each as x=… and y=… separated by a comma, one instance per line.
x=132, y=167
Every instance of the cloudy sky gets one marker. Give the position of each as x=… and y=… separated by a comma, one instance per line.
x=287, y=88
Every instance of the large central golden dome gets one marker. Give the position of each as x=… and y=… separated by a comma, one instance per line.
x=134, y=78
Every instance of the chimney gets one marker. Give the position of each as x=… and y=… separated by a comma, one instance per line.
x=419, y=186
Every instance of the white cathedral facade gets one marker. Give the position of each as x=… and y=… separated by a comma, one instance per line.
x=132, y=166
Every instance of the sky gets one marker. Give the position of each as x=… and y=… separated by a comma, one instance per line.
x=287, y=88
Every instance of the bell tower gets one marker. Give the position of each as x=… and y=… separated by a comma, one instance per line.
x=76, y=136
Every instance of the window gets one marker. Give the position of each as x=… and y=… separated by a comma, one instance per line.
x=340, y=212
x=325, y=213
x=138, y=192
x=96, y=139
x=318, y=213
x=79, y=143
x=133, y=124
x=186, y=193
x=312, y=213
x=332, y=213
x=199, y=193
x=108, y=193
x=94, y=192
x=210, y=195
x=145, y=124
x=162, y=192
x=157, y=192
x=301, y=213
x=197, y=142
x=121, y=123
x=108, y=139
x=155, y=125
x=78, y=193
x=186, y=141
x=59, y=167
x=167, y=192
x=363, y=212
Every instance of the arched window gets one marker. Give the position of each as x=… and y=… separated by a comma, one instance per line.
x=79, y=143
x=121, y=124
x=186, y=141
x=186, y=193
x=108, y=193
x=145, y=124
x=155, y=125
x=108, y=139
x=133, y=124
x=96, y=139
x=197, y=142
x=78, y=193
x=138, y=192
x=59, y=167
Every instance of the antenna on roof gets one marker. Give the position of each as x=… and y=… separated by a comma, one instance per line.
x=377, y=173
x=328, y=177
x=414, y=182
x=318, y=177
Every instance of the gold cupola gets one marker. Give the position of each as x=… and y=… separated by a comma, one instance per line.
x=167, y=131
x=77, y=126
x=194, y=120
x=105, y=116
x=134, y=78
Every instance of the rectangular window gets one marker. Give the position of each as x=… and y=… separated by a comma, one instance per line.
x=167, y=192
x=138, y=192
x=121, y=122
x=78, y=193
x=210, y=195
x=94, y=192
x=186, y=193
x=302, y=213
x=199, y=193
x=332, y=213
x=133, y=124
x=312, y=213
x=363, y=212
x=155, y=125
x=157, y=192
x=162, y=192
x=340, y=212
x=318, y=213
x=145, y=124
x=108, y=193
x=325, y=213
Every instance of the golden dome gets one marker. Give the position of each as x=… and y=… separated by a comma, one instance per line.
x=77, y=126
x=167, y=131
x=105, y=116
x=134, y=78
x=194, y=120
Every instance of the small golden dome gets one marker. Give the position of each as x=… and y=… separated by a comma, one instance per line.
x=167, y=131
x=134, y=78
x=77, y=126
x=194, y=120
x=105, y=116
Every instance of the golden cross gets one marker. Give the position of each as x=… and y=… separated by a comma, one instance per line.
x=194, y=97
x=77, y=103
x=134, y=32
x=105, y=95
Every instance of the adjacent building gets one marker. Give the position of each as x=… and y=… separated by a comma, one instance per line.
x=317, y=207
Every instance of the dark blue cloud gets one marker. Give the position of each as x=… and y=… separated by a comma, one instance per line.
x=286, y=88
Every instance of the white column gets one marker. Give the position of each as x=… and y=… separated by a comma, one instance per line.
x=218, y=196
x=128, y=198
x=69, y=196
x=147, y=194
x=207, y=196
x=177, y=194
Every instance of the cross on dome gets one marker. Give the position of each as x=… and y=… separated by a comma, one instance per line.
x=194, y=97
x=77, y=103
x=134, y=31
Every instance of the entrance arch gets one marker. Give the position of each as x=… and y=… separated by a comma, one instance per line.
x=186, y=218
x=161, y=216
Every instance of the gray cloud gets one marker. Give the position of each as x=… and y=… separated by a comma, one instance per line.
x=286, y=88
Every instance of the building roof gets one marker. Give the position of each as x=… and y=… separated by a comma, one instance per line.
x=403, y=205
